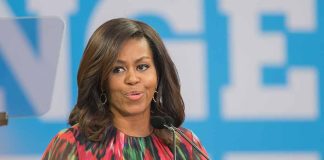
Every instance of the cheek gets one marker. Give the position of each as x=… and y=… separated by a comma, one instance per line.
x=152, y=88
x=113, y=84
x=114, y=87
x=151, y=82
x=115, y=97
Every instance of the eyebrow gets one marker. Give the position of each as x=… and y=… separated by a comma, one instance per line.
x=138, y=60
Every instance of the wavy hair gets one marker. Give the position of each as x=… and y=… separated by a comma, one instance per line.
x=97, y=62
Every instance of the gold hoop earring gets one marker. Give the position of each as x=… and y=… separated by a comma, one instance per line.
x=155, y=93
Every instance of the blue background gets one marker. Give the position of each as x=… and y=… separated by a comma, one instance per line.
x=27, y=136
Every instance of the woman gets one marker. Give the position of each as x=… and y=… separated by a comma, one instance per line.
x=126, y=76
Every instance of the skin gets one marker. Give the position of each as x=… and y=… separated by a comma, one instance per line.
x=132, y=84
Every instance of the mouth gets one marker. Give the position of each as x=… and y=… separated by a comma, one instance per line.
x=134, y=95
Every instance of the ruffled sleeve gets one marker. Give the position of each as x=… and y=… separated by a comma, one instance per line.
x=62, y=146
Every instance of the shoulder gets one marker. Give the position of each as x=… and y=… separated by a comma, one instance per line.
x=185, y=130
x=190, y=134
x=63, y=142
x=193, y=138
x=68, y=134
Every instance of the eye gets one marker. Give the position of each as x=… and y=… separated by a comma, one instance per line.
x=143, y=67
x=118, y=69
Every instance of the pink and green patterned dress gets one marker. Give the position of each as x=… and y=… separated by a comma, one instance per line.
x=71, y=144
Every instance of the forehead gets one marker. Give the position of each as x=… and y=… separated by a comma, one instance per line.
x=134, y=48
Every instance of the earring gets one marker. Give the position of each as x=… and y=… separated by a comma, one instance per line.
x=155, y=93
x=103, y=98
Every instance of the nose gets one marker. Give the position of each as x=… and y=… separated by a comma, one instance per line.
x=131, y=77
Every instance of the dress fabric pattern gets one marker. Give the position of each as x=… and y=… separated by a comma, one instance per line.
x=71, y=144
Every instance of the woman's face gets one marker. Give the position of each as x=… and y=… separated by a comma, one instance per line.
x=133, y=80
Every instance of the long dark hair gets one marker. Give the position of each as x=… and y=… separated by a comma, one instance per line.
x=98, y=59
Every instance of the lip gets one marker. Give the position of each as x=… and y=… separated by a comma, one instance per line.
x=134, y=95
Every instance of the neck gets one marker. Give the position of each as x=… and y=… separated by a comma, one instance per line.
x=137, y=126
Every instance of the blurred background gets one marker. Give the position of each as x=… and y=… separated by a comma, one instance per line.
x=252, y=71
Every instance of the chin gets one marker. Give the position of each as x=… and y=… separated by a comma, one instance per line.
x=136, y=110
